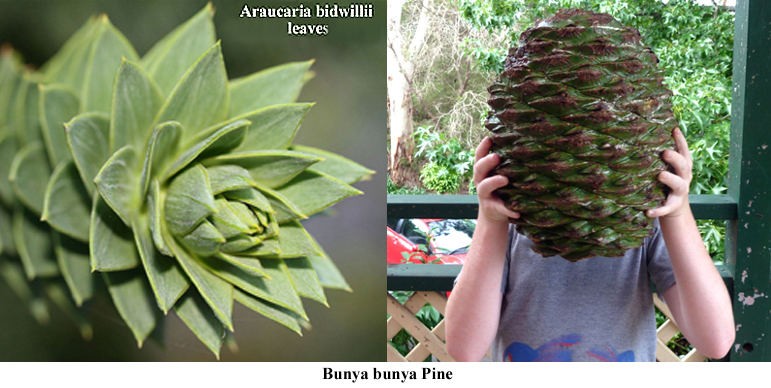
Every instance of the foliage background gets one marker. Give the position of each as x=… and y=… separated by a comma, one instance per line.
x=348, y=90
x=693, y=43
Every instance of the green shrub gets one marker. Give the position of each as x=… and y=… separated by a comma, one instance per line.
x=439, y=178
x=448, y=163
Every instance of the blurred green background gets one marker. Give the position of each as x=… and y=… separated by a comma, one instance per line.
x=349, y=89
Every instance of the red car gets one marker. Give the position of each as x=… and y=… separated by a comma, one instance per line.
x=426, y=240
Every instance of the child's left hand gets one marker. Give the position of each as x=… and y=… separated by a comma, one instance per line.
x=677, y=201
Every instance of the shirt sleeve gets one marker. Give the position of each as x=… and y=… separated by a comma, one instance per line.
x=509, y=246
x=659, y=263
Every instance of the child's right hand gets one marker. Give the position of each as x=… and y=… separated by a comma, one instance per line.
x=491, y=207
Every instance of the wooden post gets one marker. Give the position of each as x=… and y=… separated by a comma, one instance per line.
x=748, y=244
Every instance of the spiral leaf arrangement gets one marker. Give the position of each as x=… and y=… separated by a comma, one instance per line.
x=180, y=187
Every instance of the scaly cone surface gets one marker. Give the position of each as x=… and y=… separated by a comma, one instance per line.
x=580, y=118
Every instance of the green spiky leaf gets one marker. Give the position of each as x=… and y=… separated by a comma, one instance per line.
x=72, y=257
x=33, y=242
x=334, y=165
x=134, y=300
x=273, y=128
x=192, y=309
x=201, y=97
x=88, y=136
x=269, y=168
x=111, y=243
x=29, y=176
x=117, y=183
x=274, y=86
x=67, y=205
x=58, y=104
x=136, y=101
x=169, y=59
x=104, y=58
x=167, y=279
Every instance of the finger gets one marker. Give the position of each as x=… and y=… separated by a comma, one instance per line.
x=679, y=163
x=501, y=208
x=483, y=167
x=682, y=145
x=483, y=149
x=675, y=182
x=487, y=186
x=661, y=211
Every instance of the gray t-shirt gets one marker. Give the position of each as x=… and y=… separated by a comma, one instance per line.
x=598, y=309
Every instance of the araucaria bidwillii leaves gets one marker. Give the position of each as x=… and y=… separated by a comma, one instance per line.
x=178, y=186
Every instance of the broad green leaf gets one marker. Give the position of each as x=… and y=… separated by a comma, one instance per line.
x=118, y=184
x=223, y=139
x=27, y=112
x=134, y=300
x=268, y=168
x=6, y=231
x=30, y=292
x=10, y=76
x=273, y=128
x=189, y=201
x=157, y=220
x=170, y=58
x=267, y=247
x=8, y=150
x=192, y=309
x=33, y=243
x=273, y=86
x=226, y=220
x=326, y=270
x=67, y=205
x=250, y=265
x=72, y=257
x=160, y=151
x=294, y=241
x=200, y=99
x=305, y=279
x=285, y=209
x=166, y=277
x=247, y=216
x=312, y=191
x=111, y=244
x=58, y=105
x=135, y=103
x=335, y=165
x=57, y=292
x=204, y=240
x=228, y=178
x=217, y=293
x=88, y=136
x=241, y=243
x=68, y=66
x=105, y=58
x=275, y=312
x=29, y=176
x=279, y=289
x=251, y=197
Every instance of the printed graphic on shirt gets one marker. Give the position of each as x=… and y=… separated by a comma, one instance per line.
x=608, y=354
x=559, y=350
x=556, y=350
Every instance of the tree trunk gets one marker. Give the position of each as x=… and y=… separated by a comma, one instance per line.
x=400, y=69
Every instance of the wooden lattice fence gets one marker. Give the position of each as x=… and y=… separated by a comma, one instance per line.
x=431, y=342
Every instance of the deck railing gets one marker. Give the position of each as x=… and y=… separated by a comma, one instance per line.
x=430, y=281
x=746, y=207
